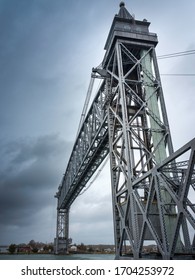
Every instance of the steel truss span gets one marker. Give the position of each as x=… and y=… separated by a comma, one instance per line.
x=153, y=188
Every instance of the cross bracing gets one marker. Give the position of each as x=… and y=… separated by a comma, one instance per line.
x=152, y=187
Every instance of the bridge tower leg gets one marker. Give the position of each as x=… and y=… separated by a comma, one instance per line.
x=152, y=186
x=144, y=207
x=62, y=232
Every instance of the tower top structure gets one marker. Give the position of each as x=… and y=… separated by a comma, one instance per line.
x=124, y=25
x=123, y=12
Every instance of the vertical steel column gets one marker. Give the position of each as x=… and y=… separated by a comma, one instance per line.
x=127, y=152
x=158, y=133
x=162, y=102
x=62, y=232
x=152, y=103
x=116, y=217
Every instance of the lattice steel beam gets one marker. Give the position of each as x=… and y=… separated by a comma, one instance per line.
x=153, y=188
x=62, y=232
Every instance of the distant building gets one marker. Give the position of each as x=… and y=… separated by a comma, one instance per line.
x=4, y=249
x=108, y=250
x=23, y=249
x=73, y=249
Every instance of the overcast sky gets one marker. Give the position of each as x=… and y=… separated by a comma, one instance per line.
x=47, y=51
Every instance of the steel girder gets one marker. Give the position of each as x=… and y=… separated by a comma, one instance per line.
x=89, y=151
x=145, y=205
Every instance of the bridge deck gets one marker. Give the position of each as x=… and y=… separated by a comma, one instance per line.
x=89, y=151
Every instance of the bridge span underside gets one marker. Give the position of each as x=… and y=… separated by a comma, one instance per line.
x=153, y=188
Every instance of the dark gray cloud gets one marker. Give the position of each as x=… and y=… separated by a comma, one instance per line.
x=29, y=178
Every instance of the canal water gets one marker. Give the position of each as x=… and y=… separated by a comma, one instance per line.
x=57, y=257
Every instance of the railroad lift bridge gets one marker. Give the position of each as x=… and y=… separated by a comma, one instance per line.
x=153, y=187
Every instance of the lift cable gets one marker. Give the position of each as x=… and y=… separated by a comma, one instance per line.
x=179, y=75
x=95, y=177
x=86, y=104
x=171, y=55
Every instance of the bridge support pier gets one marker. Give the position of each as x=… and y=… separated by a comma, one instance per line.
x=62, y=233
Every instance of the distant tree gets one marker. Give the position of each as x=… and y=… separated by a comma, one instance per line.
x=35, y=250
x=48, y=248
x=45, y=248
x=12, y=248
x=32, y=243
x=82, y=247
x=34, y=246
x=90, y=250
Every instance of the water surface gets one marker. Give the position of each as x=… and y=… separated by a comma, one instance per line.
x=57, y=257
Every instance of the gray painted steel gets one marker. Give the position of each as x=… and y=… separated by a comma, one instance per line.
x=153, y=188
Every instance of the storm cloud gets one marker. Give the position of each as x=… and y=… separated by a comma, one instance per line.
x=28, y=176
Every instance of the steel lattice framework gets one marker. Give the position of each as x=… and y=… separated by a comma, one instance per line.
x=153, y=188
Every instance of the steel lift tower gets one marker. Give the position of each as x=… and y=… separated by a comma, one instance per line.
x=153, y=187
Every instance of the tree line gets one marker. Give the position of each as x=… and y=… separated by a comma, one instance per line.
x=31, y=247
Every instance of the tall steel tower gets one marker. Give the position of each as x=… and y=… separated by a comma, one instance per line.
x=153, y=188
